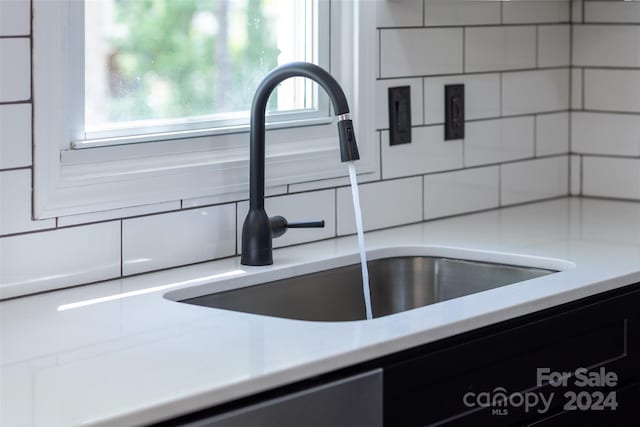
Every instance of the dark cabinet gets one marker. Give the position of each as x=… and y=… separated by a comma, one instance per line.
x=500, y=375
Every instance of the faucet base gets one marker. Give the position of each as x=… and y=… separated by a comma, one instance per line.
x=257, y=243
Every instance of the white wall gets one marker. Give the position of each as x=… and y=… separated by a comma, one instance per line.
x=518, y=82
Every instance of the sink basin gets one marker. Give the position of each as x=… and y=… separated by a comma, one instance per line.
x=397, y=284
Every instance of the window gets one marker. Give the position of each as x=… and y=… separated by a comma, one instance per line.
x=195, y=142
x=159, y=67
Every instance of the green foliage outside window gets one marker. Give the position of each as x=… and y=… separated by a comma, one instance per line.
x=180, y=58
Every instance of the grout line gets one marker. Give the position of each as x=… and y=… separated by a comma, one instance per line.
x=424, y=13
x=19, y=168
x=499, y=185
x=535, y=136
x=571, y=96
x=379, y=53
x=424, y=101
x=570, y=131
x=584, y=91
x=16, y=36
x=32, y=129
x=496, y=25
x=501, y=95
x=121, y=248
x=608, y=156
x=537, y=46
x=569, y=168
x=335, y=212
x=380, y=149
x=236, y=230
x=609, y=67
x=9, y=103
x=424, y=197
x=464, y=148
x=581, y=181
x=464, y=50
x=496, y=71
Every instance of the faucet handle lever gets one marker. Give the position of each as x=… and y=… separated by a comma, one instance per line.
x=279, y=225
x=307, y=224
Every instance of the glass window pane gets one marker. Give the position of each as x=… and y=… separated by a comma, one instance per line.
x=158, y=62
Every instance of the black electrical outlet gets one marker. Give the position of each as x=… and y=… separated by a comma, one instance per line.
x=453, y=112
x=399, y=115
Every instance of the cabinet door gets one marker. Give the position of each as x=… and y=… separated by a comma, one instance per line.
x=430, y=389
x=354, y=401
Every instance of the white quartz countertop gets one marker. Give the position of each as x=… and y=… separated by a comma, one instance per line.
x=120, y=353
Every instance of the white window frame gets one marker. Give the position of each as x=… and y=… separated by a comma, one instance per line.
x=68, y=182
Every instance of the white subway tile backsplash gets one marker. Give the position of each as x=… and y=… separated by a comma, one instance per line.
x=554, y=45
x=15, y=72
x=482, y=96
x=461, y=12
x=398, y=13
x=420, y=51
x=118, y=213
x=576, y=88
x=178, y=238
x=499, y=140
x=384, y=204
x=54, y=259
x=312, y=206
x=609, y=11
x=461, y=191
x=576, y=175
x=608, y=134
x=535, y=11
x=15, y=17
x=606, y=45
x=539, y=91
x=382, y=100
x=611, y=177
x=500, y=48
x=423, y=44
x=15, y=136
x=534, y=180
x=552, y=134
x=15, y=203
x=428, y=152
x=612, y=90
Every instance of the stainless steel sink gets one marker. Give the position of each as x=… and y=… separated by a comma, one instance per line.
x=397, y=284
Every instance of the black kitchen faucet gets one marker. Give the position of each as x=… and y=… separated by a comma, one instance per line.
x=259, y=230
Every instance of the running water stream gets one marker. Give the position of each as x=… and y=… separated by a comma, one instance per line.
x=363, y=255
